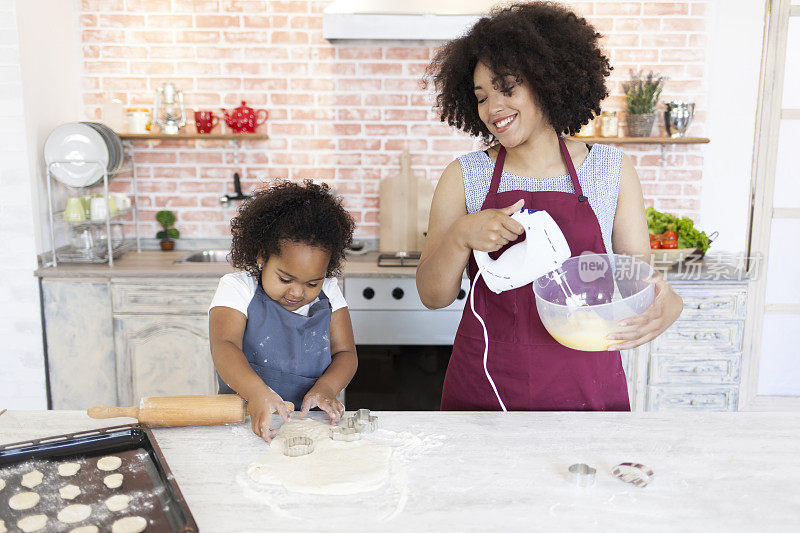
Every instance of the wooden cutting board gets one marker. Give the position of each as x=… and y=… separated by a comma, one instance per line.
x=405, y=203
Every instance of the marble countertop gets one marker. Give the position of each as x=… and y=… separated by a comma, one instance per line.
x=155, y=263
x=495, y=471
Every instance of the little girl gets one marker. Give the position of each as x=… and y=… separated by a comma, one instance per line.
x=280, y=329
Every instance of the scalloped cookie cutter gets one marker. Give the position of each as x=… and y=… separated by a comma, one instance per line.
x=636, y=473
x=298, y=446
x=345, y=433
x=362, y=421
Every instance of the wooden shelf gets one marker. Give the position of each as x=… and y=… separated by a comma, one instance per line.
x=643, y=140
x=194, y=136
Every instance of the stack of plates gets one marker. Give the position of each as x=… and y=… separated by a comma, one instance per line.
x=79, y=142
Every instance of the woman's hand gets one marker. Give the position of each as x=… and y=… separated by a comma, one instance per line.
x=260, y=410
x=325, y=399
x=666, y=309
x=490, y=229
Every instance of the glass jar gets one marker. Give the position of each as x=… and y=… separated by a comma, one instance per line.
x=609, y=124
x=587, y=130
x=138, y=120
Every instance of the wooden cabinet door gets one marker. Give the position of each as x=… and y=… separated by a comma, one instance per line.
x=162, y=355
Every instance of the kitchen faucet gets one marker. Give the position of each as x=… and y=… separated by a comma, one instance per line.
x=237, y=187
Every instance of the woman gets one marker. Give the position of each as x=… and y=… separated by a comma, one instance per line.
x=519, y=80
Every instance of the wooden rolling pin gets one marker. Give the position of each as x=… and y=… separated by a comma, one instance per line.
x=168, y=411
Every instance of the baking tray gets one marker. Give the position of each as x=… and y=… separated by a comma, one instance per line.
x=147, y=479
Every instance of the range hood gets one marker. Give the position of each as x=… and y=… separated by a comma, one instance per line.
x=402, y=20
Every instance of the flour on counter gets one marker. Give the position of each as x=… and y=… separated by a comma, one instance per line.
x=370, y=473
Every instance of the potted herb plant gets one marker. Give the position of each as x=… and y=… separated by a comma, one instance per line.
x=168, y=234
x=641, y=95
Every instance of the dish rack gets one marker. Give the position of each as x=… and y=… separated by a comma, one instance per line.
x=113, y=250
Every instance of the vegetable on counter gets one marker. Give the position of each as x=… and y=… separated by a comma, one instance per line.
x=669, y=231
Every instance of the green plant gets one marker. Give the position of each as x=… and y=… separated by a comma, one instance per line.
x=641, y=94
x=166, y=219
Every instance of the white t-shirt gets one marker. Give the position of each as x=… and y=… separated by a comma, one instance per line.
x=236, y=290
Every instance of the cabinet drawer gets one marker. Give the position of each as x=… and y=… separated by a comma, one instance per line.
x=166, y=296
x=704, y=304
x=692, y=399
x=666, y=369
x=700, y=336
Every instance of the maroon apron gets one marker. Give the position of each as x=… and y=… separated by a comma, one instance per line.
x=531, y=370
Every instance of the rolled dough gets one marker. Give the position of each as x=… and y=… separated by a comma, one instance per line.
x=109, y=463
x=129, y=524
x=113, y=481
x=32, y=523
x=69, y=492
x=334, y=467
x=2, y=484
x=32, y=478
x=68, y=469
x=3, y=527
x=118, y=502
x=23, y=500
x=74, y=513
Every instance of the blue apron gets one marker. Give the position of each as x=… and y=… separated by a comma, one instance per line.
x=287, y=350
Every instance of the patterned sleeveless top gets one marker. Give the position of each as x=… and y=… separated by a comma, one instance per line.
x=598, y=175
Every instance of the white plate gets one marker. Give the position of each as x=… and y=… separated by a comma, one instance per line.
x=76, y=142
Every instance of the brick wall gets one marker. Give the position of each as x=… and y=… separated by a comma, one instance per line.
x=340, y=112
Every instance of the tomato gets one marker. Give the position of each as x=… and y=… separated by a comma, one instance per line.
x=652, y=237
x=671, y=235
x=669, y=244
x=655, y=245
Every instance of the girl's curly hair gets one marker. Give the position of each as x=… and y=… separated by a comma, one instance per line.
x=544, y=44
x=307, y=213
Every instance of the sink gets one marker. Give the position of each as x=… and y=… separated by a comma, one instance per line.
x=206, y=256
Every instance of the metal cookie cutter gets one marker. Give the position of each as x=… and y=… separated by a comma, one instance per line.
x=582, y=474
x=346, y=434
x=363, y=422
x=297, y=446
x=636, y=473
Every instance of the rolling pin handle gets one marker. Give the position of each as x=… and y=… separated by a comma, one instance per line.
x=106, y=411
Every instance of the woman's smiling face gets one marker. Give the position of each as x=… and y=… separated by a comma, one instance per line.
x=506, y=106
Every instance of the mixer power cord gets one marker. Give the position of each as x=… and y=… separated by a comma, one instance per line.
x=485, y=338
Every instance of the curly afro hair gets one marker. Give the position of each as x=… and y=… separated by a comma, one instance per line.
x=541, y=43
x=305, y=212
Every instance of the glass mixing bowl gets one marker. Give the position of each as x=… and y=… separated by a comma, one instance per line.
x=606, y=288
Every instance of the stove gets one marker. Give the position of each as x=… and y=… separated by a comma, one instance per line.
x=399, y=259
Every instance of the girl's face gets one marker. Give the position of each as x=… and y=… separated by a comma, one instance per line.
x=294, y=277
x=507, y=106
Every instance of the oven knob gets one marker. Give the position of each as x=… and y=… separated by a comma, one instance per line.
x=397, y=293
x=368, y=293
x=461, y=294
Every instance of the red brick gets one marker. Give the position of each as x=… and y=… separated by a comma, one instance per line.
x=683, y=24
x=385, y=129
x=103, y=36
x=359, y=115
x=174, y=172
x=219, y=84
x=358, y=84
x=359, y=144
x=359, y=52
x=408, y=53
x=313, y=114
x=637, y=24
x=162, y=37
x=337, y=159
x=665, y=8
x=245, y=37
x=86, y=20
x=174, y=201
x=248, y=69
x=194, y=67
x=261, y=52
x=200, y=158
x=202, y=186
x=149, y=186
x=171, y=52
x=169, y=21
x=382, y=69
x=405, y=115
x=412, y=145
x=215, y=52
x=676, y=204
x=401, y=84
x=292, y=99
x=152, y=68
x=293, y=159
x=633, y=55
x=430, y=130
x=155, y=157
x=684, y=55
x=201, y=37
x=414, y=69
x=582, y=8
x=293, y=69
x=310, y=84
x=289, y=37
x=105, y=67
x=195, y=6
x=618, y=8
x=102, y=5
x=616, y=40
x=384, y=99
x=291, y=129
x=264, y=84
x=312, y=23
x=121, y=52
x=217, y=21
x=664, y=40
x=148, y=5
x=122, y=84
x=251, y=6
x=311, y=144
x=204, y=215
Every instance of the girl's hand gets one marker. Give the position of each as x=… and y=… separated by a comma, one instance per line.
x=666, y=309
x=490, y=229
x=260, y=410
x=325, y=400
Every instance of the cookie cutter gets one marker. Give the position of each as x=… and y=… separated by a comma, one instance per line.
x=362, y=421
x=297, y=446
x=635, y=473
x=345, y=433
x=582, y=474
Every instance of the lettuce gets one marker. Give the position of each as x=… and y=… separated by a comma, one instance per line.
x=688, y=235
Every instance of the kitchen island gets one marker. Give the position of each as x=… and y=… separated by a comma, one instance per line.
x=504, y=472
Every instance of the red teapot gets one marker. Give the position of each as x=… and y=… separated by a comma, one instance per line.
x=244, y=119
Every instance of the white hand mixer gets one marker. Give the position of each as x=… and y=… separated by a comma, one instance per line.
x=543, y=251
